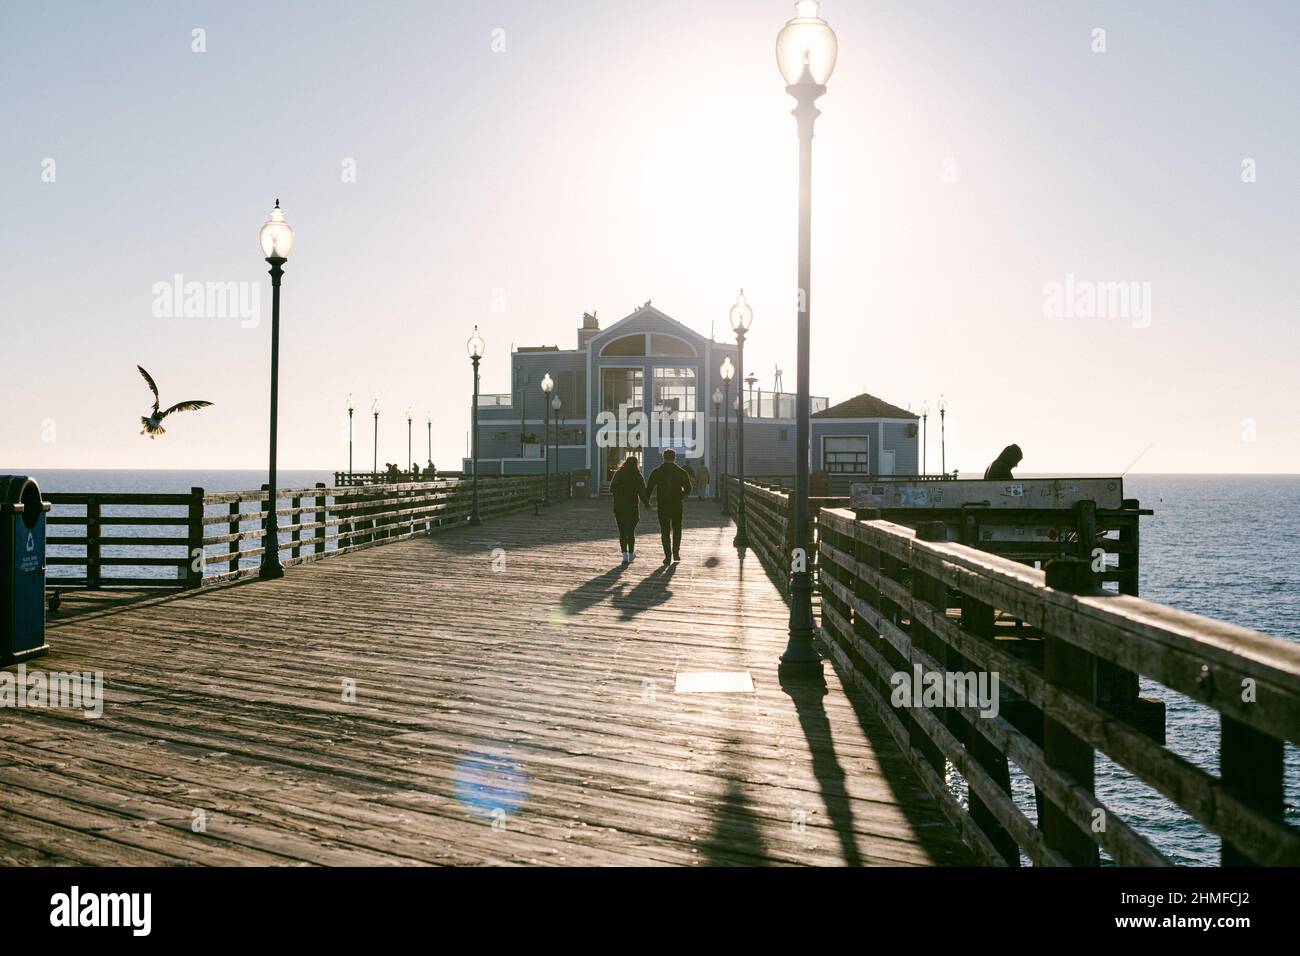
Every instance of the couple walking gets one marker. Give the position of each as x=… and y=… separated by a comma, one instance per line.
x=670, y=483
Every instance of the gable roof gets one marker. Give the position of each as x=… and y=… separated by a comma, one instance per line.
x=865, y=406
x=642, y=313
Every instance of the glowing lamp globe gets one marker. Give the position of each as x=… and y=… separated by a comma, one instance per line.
x=276, y=236
x=806, y=47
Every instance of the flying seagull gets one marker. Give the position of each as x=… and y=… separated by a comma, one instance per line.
x=153, y=424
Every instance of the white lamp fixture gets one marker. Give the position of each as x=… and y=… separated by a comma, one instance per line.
x=276, y=236
x=806, y=47
x=742, y=316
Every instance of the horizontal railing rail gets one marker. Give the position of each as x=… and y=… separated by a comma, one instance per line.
x=145, y=541
x=899, y=610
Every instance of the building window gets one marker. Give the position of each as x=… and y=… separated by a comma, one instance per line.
x=621, y=390
x=845, y=454
x=670, y=345
x=675, y=391
x=627, y=345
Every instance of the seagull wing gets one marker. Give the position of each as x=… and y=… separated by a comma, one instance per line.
x=184, y=407
x=152, y=387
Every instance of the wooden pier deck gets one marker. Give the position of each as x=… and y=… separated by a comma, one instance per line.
x=513, y=716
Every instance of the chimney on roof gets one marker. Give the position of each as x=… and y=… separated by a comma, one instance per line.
x=590, y=328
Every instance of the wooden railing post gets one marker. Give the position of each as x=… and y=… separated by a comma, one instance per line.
x=92, y=543
x=266, y=507
x=194, y=541
x=864, y=554
x=233, y=528
x=932, y=592
x=296, y=534
x=1070, y=669
x=1250, y=764
x=979, y=619
x=321, y=516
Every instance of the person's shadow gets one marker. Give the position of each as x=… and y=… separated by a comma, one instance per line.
x=650, y=592
x=590, y=593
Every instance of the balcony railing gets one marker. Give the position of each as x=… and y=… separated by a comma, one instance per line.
x=489, y=401
x=761, y=404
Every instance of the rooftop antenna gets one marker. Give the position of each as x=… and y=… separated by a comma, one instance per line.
x=1136, y=460
x=776, y=383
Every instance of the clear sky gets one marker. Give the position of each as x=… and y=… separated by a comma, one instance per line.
x=518, y=163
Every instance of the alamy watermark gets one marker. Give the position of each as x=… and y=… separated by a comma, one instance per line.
x=179, y=299
x=1084, y=299
x=65, y=690
x=636, y=429
x=946, y=689
x=75, y=908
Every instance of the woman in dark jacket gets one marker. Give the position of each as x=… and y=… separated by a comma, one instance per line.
x=628, y=489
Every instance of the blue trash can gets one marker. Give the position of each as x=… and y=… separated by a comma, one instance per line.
x=22, y=569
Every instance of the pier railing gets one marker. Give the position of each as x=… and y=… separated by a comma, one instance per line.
x=145, y=541
x=769, y=522
x=123, y=540
x=899, y=610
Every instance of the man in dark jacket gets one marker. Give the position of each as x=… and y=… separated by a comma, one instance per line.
x=672, y=485
x=1000, y=470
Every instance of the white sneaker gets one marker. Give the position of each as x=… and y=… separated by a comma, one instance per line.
x=626, y=558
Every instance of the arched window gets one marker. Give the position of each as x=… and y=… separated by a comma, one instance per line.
x=627, y=345
x=671, y=345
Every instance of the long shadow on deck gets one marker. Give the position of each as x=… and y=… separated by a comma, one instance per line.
x=807, y=697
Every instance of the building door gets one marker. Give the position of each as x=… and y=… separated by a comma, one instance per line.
x=622, y=395
x=886, y=458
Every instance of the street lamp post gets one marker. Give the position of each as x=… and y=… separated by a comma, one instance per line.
x=726, y=371
x=276, y=239
x=943, y=455
x=428, y=421
x=717, y=472
x=374, y=410
x=409, y=459
x=742, y=316
x=351, y=407
x=547, y=385
x=805, y=52
x=925, y=442
x=475, y=349
x=556, y=405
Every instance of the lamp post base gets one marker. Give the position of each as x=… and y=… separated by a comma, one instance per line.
x=474, y=521
x=801, y=658
x=270, y=569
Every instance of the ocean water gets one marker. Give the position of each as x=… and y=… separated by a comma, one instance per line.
x=1224, y=546
x=1228, y=547
x=158, y=482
